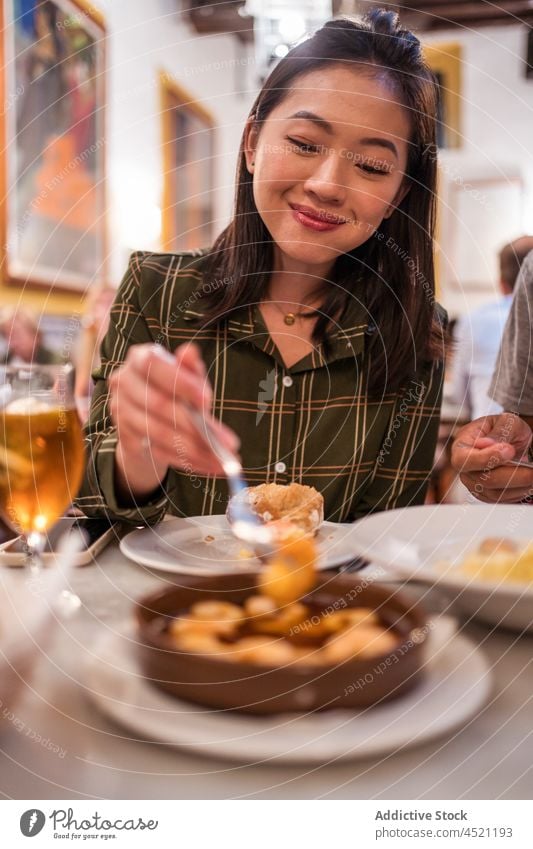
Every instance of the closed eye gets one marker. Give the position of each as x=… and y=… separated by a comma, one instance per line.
x=304, y=147
x=369, y=169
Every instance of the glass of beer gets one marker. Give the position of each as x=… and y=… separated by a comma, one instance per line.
x=41, y=450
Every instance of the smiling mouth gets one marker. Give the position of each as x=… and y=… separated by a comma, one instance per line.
x=316, y=215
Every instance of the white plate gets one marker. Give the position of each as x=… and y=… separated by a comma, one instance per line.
x=413, y=543
x=457, y=684
x=204, y=545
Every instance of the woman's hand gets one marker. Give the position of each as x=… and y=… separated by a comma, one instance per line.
x=480, y=452
x=151, y=397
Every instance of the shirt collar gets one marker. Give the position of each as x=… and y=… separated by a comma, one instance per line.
x=346, y=340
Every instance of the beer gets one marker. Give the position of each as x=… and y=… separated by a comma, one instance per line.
x=41, y=463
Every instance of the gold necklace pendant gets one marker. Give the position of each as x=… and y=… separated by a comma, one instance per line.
x=289, y=318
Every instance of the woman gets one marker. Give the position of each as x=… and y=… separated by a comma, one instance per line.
x=316, y=337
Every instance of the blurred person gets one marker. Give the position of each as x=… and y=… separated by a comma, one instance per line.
x=94, y=327
x=23, y=338
x=483, y=448
x=478, y=335
x=308, y=333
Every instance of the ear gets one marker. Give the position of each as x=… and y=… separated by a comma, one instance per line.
x=400, y=194
x=251, y=136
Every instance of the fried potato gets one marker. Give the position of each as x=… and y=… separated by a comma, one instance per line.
x=283, y=622
x=257, y=606
x=347, y=618
x=261, y=649
x=291, y=572
x=361, y=642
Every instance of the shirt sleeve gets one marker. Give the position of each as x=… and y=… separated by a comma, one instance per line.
x=127, y=326
x=512, y=381
x=404, y=463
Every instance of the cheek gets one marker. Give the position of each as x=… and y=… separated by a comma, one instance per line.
x=375, y=200
x=275, y=170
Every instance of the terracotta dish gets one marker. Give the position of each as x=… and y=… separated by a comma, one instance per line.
x=220, y=683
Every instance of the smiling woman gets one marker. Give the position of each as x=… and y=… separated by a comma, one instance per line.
x=313, y=183
x=338, y=137
x=314, y=307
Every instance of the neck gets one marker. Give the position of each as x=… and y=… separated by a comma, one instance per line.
x=295, y=285
x=294, y=298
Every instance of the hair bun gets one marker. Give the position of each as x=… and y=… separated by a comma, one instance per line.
x=387, y=23
x=384, y=21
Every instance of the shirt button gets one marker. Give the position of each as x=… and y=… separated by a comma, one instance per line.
x=287, y=381
x=280, y=467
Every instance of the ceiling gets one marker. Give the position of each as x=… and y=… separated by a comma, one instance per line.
x=422, y=15
x=212, y=16
x=428, y=15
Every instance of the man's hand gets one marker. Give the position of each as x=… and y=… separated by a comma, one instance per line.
x=480, y=453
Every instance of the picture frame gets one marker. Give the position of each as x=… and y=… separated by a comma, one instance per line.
x=52, y=139
x=481, y=214
x=445, y=60
x=188, y=149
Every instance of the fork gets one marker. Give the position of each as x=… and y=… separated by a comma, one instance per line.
x=245, y=524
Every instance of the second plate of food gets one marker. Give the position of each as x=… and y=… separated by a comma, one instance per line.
x=205, y=545
x=480, y=554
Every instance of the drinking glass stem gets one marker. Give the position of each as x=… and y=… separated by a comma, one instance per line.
x=35, y=542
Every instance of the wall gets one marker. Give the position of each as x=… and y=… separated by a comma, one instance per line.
x=497, y=130
x=142, y=39
x=217, y=70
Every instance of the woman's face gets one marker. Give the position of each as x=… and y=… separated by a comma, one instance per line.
x=328, y=166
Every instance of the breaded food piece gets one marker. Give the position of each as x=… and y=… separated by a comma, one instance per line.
x=209, y=617
x=290, y=573
x=261, y=649
x=302, y=506
x=361, y=641
x=283, y=622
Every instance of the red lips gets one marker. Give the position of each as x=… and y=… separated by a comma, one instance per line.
x=314, y=219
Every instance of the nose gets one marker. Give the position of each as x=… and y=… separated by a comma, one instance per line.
x=325, y=181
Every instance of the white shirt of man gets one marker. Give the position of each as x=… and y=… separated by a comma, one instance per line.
x=478, y=336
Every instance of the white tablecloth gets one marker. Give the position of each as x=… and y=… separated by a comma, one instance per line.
x=490, y=758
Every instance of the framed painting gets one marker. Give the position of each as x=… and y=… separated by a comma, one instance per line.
x=188, y=148
x=53, y=163
x=480, y=216
x=445, y=60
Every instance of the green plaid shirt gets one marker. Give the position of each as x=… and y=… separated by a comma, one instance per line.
x=312, y=423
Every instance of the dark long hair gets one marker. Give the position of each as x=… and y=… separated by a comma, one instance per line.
x=397, y=268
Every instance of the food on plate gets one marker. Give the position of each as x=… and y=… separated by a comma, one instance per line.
x=348, y=643
x=362, y=641
x=286, y=506
x=290, y=572
x=278, y=625
x=259, y=605
x=219, y=618
x=498, y=545
x=500, y=559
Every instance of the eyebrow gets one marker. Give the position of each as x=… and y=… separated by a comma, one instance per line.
x=316, y=119
x=379, y=142
x=328, y=128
